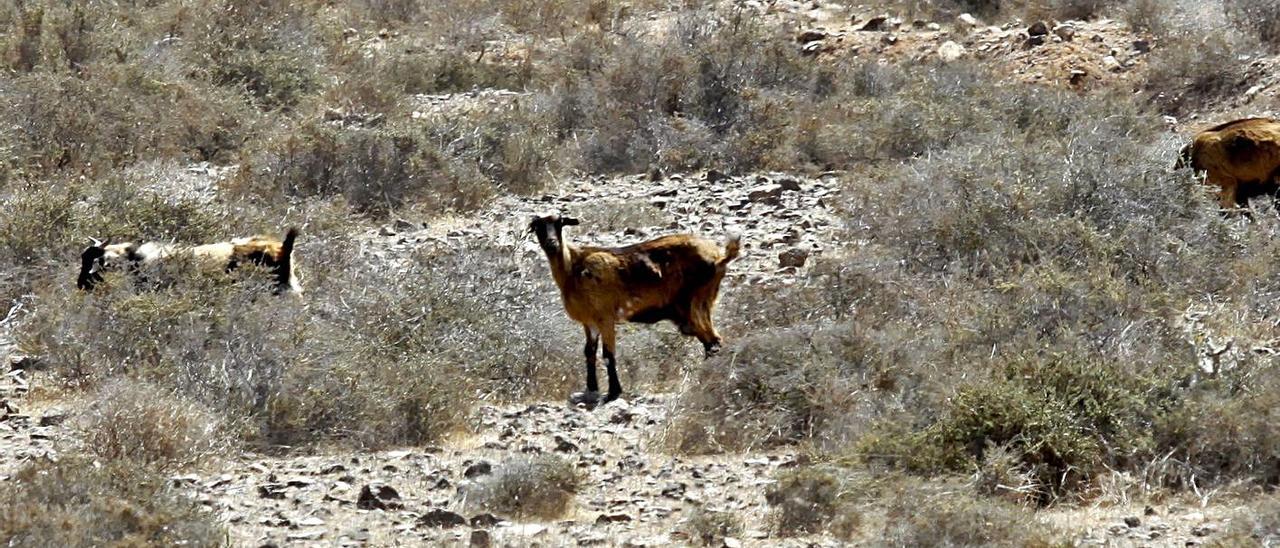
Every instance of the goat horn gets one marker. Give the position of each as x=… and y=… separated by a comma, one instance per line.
x=96, y=242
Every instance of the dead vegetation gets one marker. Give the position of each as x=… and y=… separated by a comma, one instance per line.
x=1010, y=298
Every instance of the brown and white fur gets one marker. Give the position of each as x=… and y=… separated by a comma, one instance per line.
x=674, y=278
x=274, y=254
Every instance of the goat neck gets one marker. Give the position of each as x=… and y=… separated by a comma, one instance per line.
x=559, y=253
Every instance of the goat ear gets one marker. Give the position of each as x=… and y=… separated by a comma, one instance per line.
x=568, y=221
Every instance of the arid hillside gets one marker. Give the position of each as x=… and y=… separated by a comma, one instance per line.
x=976, y=303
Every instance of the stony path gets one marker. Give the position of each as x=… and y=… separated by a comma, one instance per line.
x=631, y=495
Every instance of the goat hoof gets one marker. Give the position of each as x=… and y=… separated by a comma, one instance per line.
x=589, y=398
x=611, y=396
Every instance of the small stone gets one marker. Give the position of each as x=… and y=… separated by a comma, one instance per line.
x=1077, y=77
x=592, y=539
x=968, y=20
x=1033, y=41
x=950, y=51
x=730, y=542
x=441, y=518
x=1204, y=530
x=1148, y=511
x=1065, y=32
x=1110, y=63
x=1132, y=521
x=715, y=176
x=1142, y=46
x=605, y=519
x=485, y=520
x=811, y=35
x=404, y=226
x=889, y=39
x=482, y=468
x=1038, y=29
x=307, y=535
x=933, y=27
x=879, y=23
x=53, y=417
x=793, y=258
x=378, y=497
x=565, y=446
x=480, y=539
x=386, y=230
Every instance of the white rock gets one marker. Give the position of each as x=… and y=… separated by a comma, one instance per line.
x=950, y=51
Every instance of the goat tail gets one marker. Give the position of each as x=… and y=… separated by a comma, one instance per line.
x=284, y=265
x=286, y=247
x=732, y=248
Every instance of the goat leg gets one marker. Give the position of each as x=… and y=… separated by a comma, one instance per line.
x=592, y=393
x=611, y=365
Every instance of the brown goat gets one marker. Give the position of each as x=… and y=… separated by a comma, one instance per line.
x=276, y=255
x=674, y=278
x=1241, y=158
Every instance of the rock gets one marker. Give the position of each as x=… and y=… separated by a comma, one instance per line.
x=605, y=519
x=950, y=51
x=481, y=539
x=1033, y=41
x=378, y=497
x=1148, y=511
x=485, y=520
x=311, y=521
x=789, y=184
x=273, y=491
x=730, y=542
x=386, y=230
x=1204, y=530
x=769, y=193
x=1037, y=28
x=564, y=445
x=933, y=27
x=53, y=417
x=482, y=468
x=1065, y=31
x=307, y=535
x=1077, y=77
x=1142, y=46
x=592, y=539
x=441, y=518
x=811, y=35
x=793, y=258
x=404, y=226
x=1132, y=521
x=879, y=23
x=715, y=176
x=1110, y=63
x=968, y=21
x=1253, y=90
x=889, y=39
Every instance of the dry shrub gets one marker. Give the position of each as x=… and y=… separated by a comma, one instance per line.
x=140, y=423
x=710, y=527
x=80, y=502
x=812, y=500
x=1259, y=18
x=1256, y=525
x=938, y=520
x=541, y=487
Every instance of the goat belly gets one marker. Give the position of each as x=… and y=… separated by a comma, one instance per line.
x=650, y=315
